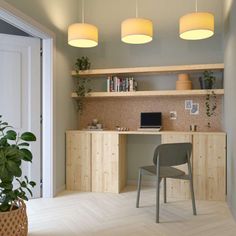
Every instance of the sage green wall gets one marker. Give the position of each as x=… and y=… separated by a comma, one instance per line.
x=230, y=97
x=165, y=49
x=56, y=15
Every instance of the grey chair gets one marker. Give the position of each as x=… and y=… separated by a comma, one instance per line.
x=165, y=157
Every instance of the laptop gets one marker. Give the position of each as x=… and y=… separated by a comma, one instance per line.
x=150, y=121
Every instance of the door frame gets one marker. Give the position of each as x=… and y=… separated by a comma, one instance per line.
x=13, y=16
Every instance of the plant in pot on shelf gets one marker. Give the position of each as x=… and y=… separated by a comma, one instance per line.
x=82, y=85
x=208, y=83
x=13, y=186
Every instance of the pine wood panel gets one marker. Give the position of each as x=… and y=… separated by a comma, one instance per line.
x=178, y=188
x=108, y=162
x=209, y=166
x=194, y=92
x=78, y=161
x=122, y=162
x=147, y=70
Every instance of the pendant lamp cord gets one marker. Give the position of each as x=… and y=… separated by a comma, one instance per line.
x=83, y=11
x=136, y=9
x=196, y=6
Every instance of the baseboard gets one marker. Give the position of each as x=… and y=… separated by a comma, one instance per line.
x=60, y=189
x=151, y=183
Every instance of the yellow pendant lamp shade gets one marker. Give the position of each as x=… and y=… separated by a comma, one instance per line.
x=82, y=35
x=136, y=31
x=196, y=26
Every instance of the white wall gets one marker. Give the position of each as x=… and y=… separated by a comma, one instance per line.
x=230, y=97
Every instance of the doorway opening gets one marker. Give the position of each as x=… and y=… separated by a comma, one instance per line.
x=29, y=26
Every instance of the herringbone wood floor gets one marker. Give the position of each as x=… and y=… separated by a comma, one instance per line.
x=104, y=214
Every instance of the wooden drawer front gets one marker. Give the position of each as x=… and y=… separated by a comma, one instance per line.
x=78, y=161
x=178, y=188
x=209, y=166
x=105, y=163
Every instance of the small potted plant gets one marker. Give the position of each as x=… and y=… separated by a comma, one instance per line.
x=82, y=63
x=208, y=80
x=13, y=152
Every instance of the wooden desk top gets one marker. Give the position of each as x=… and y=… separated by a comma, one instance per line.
x=145, y=132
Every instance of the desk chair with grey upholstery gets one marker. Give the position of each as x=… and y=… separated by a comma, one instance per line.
x=165, y=157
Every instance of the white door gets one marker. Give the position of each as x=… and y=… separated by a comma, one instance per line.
x=20, y=94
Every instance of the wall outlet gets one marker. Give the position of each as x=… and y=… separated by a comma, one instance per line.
x=173, y=115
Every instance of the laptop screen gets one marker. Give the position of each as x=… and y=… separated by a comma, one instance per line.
x=151, y=119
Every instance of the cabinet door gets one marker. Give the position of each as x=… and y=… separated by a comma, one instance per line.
x=78, y=161
x=107, y=163
x=209, y=170
x=178, y=188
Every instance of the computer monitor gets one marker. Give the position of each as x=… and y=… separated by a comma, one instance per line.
x=150, y=120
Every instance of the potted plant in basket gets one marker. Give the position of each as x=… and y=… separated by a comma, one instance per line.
x=13, y=151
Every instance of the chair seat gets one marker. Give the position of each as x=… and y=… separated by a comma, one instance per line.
x=165, y=172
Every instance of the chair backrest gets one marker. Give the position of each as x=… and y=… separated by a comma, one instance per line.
x=172, y=154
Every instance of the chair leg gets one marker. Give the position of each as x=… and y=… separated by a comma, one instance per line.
x=139, y=187
x=193, y=197
x=164, y=190
x=157, y=198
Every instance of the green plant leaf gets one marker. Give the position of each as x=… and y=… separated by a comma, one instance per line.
x=6, y=185
x=13, y=168
x=11, y=135
x=3, y=172
x=28, y=136
x=32, y=183
x=23, y=144
x=26, y=155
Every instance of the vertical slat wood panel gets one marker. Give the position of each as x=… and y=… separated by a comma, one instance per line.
x=78, y=161
x=178, y=188
x=106, y=163
x=210, y=166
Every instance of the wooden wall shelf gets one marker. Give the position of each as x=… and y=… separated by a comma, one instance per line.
x=96, y=73
x=195, y=92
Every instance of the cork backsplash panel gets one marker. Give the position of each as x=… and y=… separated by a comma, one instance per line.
x=125, y=112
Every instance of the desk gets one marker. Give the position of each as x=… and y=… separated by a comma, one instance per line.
x=96, y=161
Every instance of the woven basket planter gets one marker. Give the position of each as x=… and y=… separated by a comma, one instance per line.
x=14, y=222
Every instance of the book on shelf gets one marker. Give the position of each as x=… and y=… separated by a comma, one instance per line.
x=116, y=84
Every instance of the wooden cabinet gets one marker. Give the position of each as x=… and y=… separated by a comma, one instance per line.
x=108, y=162
x=178, y=188
x=209, y=172
x=96, y=161
x=78, y=161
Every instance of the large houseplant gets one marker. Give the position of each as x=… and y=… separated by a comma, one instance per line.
x=14, y=187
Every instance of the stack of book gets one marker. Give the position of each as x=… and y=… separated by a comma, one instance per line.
x=116, y=84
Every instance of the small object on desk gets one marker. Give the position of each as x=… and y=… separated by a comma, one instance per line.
x=118, y=128
x=193, y=128
x=99, y=126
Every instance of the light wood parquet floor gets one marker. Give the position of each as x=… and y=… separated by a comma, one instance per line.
x=105, y=214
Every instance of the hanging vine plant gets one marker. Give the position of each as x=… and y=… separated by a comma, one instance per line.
x=211, y=106
x=82, y=89
x=83, y=84
x=211, y=103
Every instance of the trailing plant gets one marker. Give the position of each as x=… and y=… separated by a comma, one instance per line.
x=82, y=85
x=210, y=102
x=13, y=151
x=82, y=88
x=82, y=63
